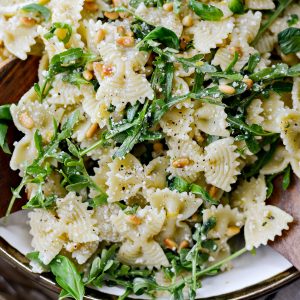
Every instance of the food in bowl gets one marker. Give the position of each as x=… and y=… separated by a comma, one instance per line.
x=152, y=136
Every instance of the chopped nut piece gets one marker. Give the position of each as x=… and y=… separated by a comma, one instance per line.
x=227, y=89
x=103, y=70
x=26, y=120
x=26, y=21
x=121, y=30
x=61, y=33
x=184, y=40
x=232, y=230
x=168, y=6
x=91, y=131
x=91, y=6
x=158, y=147
x=125, y=41
x=249, y=82
x=112, y=15
x=87, y=75
x=238, y=50
x=183, y=245
x=213, y=191
x=181, y=162
x=43, y=2
x=100, y=35
x=170, y=244
x=187, y=21
x=129, y=33
x=135, y=220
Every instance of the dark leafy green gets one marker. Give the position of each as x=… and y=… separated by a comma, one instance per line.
x=206, y=11
x=289, y=40
x=236, y=6
x=59, y=25
x=5, y=116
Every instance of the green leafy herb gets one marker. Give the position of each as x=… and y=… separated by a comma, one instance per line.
x=293, y=20
x=283, y=4
x=289, y=40
x=37, y=8
x=63, y=26
x=254, y=59
x=236, y=6
x=205, y=11
x=67, y=277
x=286, y=181
x=5, y=116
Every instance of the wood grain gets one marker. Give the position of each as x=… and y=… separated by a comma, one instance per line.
x=289, y=243
x=16, y=78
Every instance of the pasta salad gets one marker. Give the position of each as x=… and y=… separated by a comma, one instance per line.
x=152, y=137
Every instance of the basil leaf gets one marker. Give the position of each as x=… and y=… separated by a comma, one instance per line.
x=5, y=112
x=205, y=11
x=286, y=178
x=67, y=276
x=289, y=40
x=163, y=35
x=41, y=9
x=59, y=25
x=3, y=143
x=236, y=6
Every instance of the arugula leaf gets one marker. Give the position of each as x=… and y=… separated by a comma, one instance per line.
x=162, y=35
x=198, y=190
x=283, y=4
x=75, y=78
x=294, y=71
x=205, y=11
x=5, y=112
x=59, y=25
x=4, y=117
x=274, y=72
x=236, y=6
x=254, y=59
x=286, y=181
x=289, y=40
x=37, y=8
x=293, y=20
x=179, y=184
x=67, y=277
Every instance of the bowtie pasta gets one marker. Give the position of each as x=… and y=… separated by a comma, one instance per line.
x=152, y=136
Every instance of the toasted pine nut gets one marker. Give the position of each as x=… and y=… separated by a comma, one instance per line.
x=181, y=162
x=121, y=30
x=213, y=191
x=148, y=70
x=184, y=40
x=100, y=35
x=91, y=131
x=199, y=138
x=158, y=147
x=61, y=33
x=238, y=50
x=290, y=59
x=135, y=220
x=249, y=82
x=87, y=75
x=168, y=6
x=103, y=70
x=123, y=15
x=26, y=120
x=227, y=89
x=129, y=33
x=170, y=244
x=91, y=6
x=113, y=15
x=187, y=21
x=26, y=21
x=184, y=244
x=232, y=230
x=125, y=41
x=89, y=66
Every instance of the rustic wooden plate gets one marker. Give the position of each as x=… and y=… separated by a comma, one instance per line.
x=16, y=77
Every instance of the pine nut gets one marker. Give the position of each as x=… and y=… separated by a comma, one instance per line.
x=121, y=30
x=103, y=70
x=125, y=41
x=226, y=89
x=158, y=147
x=170, y=244
x=187, y=21
x=213, y=191
x=89, y=66
x=113, y=15
x=249, y=82
x=87, y=75
x=238, y=50
x=168, y=6
x=183, y=245
x=181, y=162
x=184, y=40
x=26, y=120
x=43, y=2
x=100, y=35
x=29, y=22
x=129, y=33
x=91, y=6
x=61, y=33
x=135, y=220
x=232, y=230
x=91, y=131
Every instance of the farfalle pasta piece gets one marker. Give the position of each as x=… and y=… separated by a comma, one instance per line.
x=278, y=163
x=47, y=234
x=160, y=17
x=228, y=221
x=208, y=34
x=221, y=165
x=263, y=223
x=139, y=247
x=78, y=222
x=254, y=112
x=125, y=178
x=296, y=94
x=186, y=158
x=260, y=4
x=290, y=132
x=156, y=172
x=178, y=123
x=249, y=193
x=211, y=119
x=178, y=207
x=266, y=43
x=81, y=252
